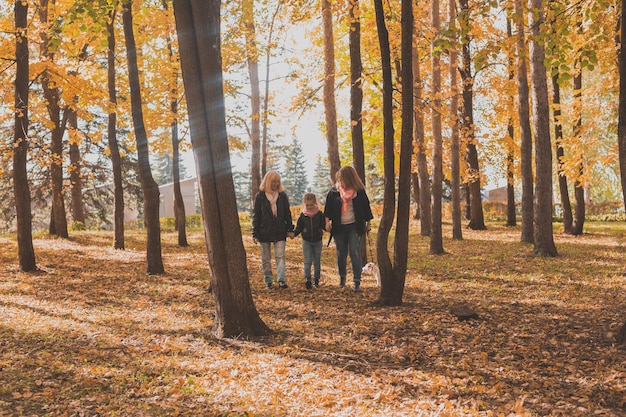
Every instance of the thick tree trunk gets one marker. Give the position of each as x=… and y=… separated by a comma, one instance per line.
x=526, y=148
x=389, y=194
x=21, y=189
x=543, y=233
x=560, y=153
x=436, y=236
x=151, y=196
x=455, y=180
x=423, y=182
x=330, y=109
x=76, y=182
x=252, y=58
x=116, y=160
x=198, y=27
x=511, y=219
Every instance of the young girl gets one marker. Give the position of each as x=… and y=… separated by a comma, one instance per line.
x=348, y=214
x=311, y=224
x=272, y=223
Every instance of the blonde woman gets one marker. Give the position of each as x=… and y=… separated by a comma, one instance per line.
x=348, y=214
x=272, y=224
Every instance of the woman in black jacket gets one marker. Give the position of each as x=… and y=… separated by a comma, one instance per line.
x=348, y=214
x=272, y=223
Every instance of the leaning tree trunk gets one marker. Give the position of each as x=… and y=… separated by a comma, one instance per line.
x=21, y=189
x=436, y=236
x=543, y=232
x=526, y=148
x=389, y=197
x=566, y=206
x=114, y=151
x=423, y=178
x=198, y=27
x=151, y=196
x=330, y=108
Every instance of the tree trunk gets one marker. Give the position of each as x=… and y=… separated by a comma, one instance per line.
x=78, y=208
x=389, y=194
x=252, y=58
x=423, y=183
x=436, y=236
x=330, y=110
x=543, y=234
x=198, y=27
x=116, y=160
x=53, y=99
x=477, y=219
x=621, y=120
x=151, y=197
x=455, y=181
x=21, y=189
x=579, y=186
x=526, y=148
x=180, y=217
x=511, y=219
x=566, y=207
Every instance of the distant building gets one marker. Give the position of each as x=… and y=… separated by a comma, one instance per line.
x=497, y=194
x=188, y=189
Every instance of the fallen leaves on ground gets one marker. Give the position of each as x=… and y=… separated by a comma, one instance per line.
x=93, y=335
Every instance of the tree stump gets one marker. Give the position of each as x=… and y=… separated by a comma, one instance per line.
x=464, y=312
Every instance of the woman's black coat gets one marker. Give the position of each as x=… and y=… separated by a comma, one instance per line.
x=361, y=205
x=266, y=227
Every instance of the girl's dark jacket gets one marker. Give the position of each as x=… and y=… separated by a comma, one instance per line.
x=361, y=205
x=312, y=228
x=266, y=227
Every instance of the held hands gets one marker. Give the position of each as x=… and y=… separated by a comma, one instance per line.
x=255, y=240
x=291, y=235
x=368, y=227
x=329, y=225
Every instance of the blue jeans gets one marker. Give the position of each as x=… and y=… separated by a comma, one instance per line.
x=348, y=241
x=312, y=252
x=266, y=260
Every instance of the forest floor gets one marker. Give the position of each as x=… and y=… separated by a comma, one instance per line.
x=93, y=335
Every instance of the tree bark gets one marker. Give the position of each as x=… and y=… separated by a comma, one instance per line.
x=566, y=206
x=389, y=194
x=252, y=58
x=436, y=236
x=526, y=147
x=76, y=182
x=53, y=100
x=579, y=186
x=455, y=180
x=21, y=189
x=621, y=122
x=330, y=109
x=477, y=219
x=150, y=189
x=198, y=27
x=511, y=218
x=116, y=160
x=423, y=183
x=543, y=233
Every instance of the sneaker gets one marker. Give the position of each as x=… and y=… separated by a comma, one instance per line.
x=357, y=286
x=308, y=284
x=342, y=282
x=283, y=284
x=316, y=283
x=268, y=285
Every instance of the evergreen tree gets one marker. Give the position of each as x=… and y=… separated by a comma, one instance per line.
x=321, y=180
x=295, y=178
x=163, y=169
x=243, y=188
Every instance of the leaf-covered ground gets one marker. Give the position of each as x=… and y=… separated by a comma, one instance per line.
x=93, y=335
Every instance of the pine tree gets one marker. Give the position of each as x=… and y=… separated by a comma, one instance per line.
x=321, y=180
x=295, y=178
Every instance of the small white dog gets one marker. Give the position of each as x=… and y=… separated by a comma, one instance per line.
x=371, y=268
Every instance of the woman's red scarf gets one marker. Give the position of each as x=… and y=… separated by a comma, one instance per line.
x=347, y=194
